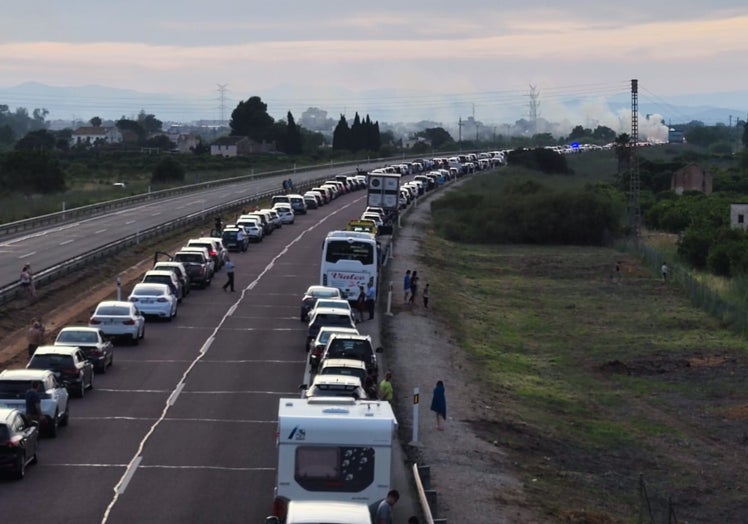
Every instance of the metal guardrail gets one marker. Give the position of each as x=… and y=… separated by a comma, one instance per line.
x=66, y=267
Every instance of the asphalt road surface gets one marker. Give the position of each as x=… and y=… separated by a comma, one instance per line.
x=52, y=245
x=182, y=427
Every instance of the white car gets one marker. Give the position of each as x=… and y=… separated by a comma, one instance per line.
x=119, y=319
x=375, y=217
x=285, y=212
x=154, y=299
x=252, y=228
x=55, y=397
x=336, y=386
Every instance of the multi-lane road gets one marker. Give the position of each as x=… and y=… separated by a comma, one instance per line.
x=182, y=427
x=51, y=245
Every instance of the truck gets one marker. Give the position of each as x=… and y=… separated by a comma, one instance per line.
x=333, y=449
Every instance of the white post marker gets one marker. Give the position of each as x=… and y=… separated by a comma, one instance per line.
x=389, y=301
x=119, y=288
x=416, y=400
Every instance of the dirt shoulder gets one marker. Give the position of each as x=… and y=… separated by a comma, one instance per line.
x=474, y=478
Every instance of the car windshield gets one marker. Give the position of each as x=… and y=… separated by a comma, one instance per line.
x=51, y=361
x=157, y=279
x=193, y=258
x=333, y=303
x=112, y=311
x=76, y=337
x=324, y=293
x=14, y=389
x=359, y=349
x=325, y=319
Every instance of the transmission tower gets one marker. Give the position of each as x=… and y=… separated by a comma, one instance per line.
x=634, y=210
x=534, y=106
x=222, y=102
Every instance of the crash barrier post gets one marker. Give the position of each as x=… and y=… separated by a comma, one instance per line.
x=389, y=301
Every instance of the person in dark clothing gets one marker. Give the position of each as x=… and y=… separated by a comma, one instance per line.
x=34, y=401
x=413, y=287
x=371, y=296
x=35, y=336
x=361, y=304
x=439, y=405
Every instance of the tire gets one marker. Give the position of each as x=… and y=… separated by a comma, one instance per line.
x=64, y=421
x=134, y=341
x=52, y=431
x=35, y=458
x=91, y=383
x=101, y=369
x=20, y=470
x=81, y=391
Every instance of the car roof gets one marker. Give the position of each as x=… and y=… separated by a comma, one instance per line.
x=6, y=413
x=86, y=328
x=332, y=311
x=312, y=289
x=343, y=380
x=160, y=272
x=111, y=303
x=56, y=350
x=347, y=336
x=146, y=285
x=343, y=363
x=25, y=374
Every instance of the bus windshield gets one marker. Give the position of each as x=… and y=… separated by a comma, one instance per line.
x=345, y=250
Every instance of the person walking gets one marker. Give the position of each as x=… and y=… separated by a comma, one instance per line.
x=360, y=304
x=386, y=392
x=439, y=405
x=425, y=295
x=371, y=297
x=27, y=281
x=229, y=274
x=384, y=510
x=240, y=239
x=406, y=286
x=664, y=270
x=35, y=336
x=413, y=287
x=34, y=401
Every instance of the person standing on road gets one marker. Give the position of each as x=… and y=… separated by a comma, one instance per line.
x=413, y=287
x=240, y=240
x=406, y=286
x=34, y=402
x=35, y=336
x=425, y=295
x=439, y=405
x=229, y=274
x=664, y=270
x=384, y=510
x=386, y=392
x=360, y=304
x=371, y=297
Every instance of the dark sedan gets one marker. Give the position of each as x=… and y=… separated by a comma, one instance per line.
x=19, y=442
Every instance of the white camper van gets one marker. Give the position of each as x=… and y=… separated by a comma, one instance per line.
x=333, y=449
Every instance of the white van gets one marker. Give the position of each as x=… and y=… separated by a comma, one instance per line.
x=333, y=449
x=324, y=512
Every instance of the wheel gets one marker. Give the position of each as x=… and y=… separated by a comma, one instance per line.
x=101, y=369
x=91, y=382
x=64, y=421
x=20, y=470
x=52, y=430
x=35, y=457
x=136, y=339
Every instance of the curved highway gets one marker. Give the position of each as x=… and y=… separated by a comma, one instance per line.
x=182, y=427
x=50, y=246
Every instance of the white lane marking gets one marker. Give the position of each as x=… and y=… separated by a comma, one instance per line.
x=206, y=345
x=64, y=242
x=125, y=479
x=175, y=394
x=157, y=213
x=47, y=464
x=27, y=255
x=299, y=329
x=248, y=361
x=214, y=468
x=153, y=361
x=183, y=419
x=129, y=472
x=240, y=392
x=129, y=222
x=108, y=390
x=100, y=231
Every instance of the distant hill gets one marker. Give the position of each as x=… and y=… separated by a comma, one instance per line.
x=384, y=105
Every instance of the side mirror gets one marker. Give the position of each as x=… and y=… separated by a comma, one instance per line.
x=303, y=387
x=272, y=520
x=380, y=349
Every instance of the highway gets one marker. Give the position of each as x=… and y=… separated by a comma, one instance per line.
x=182, y=427
x=45, y=248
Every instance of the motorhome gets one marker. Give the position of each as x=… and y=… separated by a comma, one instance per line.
x=333, y=449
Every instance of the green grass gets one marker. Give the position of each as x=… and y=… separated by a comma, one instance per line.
x=547, y=328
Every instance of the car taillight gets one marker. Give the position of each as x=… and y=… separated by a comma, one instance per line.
x=13, y=442
x=161, y=299
x=70, y=371
x=129, y=322
x=213, y=254
x=94, y=321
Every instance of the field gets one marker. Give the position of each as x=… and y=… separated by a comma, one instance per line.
x=615, y=395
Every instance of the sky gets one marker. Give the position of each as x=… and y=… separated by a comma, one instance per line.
x=432, y=59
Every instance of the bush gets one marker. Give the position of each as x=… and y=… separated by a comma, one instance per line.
x=167, y=170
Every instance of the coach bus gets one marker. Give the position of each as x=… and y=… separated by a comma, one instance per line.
x=350, y=259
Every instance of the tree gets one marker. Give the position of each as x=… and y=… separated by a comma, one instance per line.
x=160, y=141
x=745, y=134
x=579, y=132
x=40, y=140
x=622, y=150
x=251, y=119
x=293, y=140
x=149, y=123
x=437, y=136
x=341, y=136
x=30, y=172
x=95, y=121
x=131, y=126
x=167, y=170
x=604, y=133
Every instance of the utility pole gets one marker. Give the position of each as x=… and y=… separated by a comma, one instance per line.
x=459, y=140
x=534, y=108
x=222, y=102
x=634, y=210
